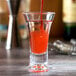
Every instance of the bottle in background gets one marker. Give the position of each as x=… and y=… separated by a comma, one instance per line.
x=3, y=26
x=3, y=20
x=69, y=19
x=24, y=7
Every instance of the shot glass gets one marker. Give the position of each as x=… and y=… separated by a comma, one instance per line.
x=39, y=25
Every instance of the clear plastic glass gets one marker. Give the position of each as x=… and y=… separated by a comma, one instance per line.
x=39, y=27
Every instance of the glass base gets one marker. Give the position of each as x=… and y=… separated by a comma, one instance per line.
x=39, y=62
x=38, y=68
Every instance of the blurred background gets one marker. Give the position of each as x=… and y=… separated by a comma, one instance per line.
x=63, y=27
x=32, y=5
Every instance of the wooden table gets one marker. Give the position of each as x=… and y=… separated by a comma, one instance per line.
x=15, y=63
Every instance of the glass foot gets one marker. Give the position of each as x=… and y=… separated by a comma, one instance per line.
x=38, y=68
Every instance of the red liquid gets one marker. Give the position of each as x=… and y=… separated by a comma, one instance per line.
x=39, y=41
x=42, y=1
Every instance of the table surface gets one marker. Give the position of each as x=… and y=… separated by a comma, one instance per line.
x=15, y=63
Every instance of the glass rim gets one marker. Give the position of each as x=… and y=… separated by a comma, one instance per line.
x=38, y=12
